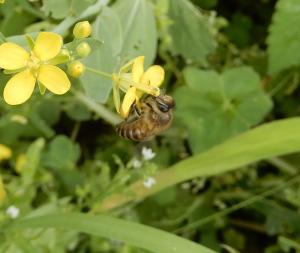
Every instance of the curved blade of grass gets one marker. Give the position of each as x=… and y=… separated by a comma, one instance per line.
x=273, y=139
x=132, y=233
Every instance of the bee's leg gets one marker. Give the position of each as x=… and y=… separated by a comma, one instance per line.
x=137, y=110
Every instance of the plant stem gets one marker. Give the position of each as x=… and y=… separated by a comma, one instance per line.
x=283, y=165
x=99, y=109
x=100, y=73
x=240, y=205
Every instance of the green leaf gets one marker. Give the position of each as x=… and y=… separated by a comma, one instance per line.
x=284, y=36
x=15, y=20
x=223, y=105
x=132, y=233
x=78, y=6
x=60, y=9
x=139, y=30
x=57, y=9
x=77, y=111
x=62, y=153
x=189, y=32
x=107, y=27
x=273, y=139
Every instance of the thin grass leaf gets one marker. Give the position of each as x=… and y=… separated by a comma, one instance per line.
x=135, y=234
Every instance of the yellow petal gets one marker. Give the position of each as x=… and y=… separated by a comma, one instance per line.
x=54, y=79
x=19, y=88
x=47, y=45
x=12, y=56
x=137, y=68
x=154, y=76
x=5, y=152
x=128, y=101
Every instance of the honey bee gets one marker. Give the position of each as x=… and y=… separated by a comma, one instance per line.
x=154, y=115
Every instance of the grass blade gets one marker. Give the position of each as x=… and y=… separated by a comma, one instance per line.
x=273, y=139
x=132, y=233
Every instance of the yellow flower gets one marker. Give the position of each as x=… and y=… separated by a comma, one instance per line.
x=32, y=67
x=136, y=83
x=5, y=152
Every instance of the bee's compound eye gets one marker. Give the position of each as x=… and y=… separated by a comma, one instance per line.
x=163, y=107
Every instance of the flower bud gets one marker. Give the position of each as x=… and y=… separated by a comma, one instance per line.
x=82, y=30
x=83, y=49
x=76, y=69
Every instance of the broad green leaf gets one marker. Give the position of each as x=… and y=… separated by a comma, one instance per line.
x=284, y=36
x=273, y=139
x=60, y=9
x=139, y=30
x=62, y=153
x=57, y=9
x=106, y=28
x=189, y=32
x=15, y=19
x=145, y=237
x=78, y=6
x=223, y=105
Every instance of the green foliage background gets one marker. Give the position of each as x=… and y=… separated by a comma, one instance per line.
x=226, y=172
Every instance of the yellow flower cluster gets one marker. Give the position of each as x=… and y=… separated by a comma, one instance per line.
x=39, y=66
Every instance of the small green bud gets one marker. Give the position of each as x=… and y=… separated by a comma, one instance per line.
x=82, y=30
x=83, y=49
x=76, y=69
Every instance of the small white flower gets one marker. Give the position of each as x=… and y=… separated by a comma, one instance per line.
x=147, y=153
x=13, y=212
x=149, y=182
x=136, y=163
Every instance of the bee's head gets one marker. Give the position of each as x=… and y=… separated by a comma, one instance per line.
x=165, y=103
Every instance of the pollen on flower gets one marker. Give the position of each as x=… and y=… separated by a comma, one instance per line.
x=33, y=63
